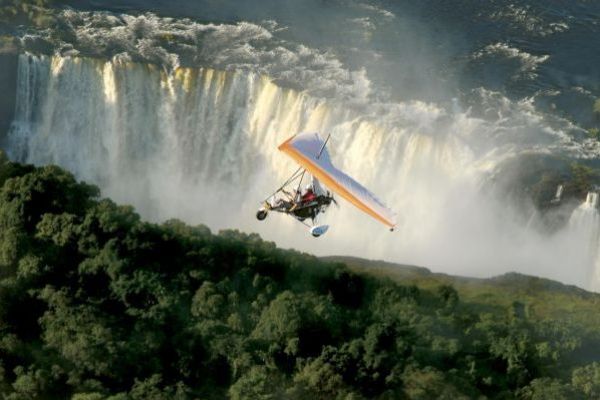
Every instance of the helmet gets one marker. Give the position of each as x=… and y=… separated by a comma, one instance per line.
x=308, y=188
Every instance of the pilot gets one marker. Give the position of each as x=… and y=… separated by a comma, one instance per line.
x=309, y=195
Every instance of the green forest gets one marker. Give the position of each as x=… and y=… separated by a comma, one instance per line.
x=96, y=304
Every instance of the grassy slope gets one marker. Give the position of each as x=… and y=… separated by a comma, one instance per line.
x=542, y=298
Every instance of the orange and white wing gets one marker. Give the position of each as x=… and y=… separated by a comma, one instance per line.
x=305, y=147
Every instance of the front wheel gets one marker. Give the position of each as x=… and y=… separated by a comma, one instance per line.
x=261, y=214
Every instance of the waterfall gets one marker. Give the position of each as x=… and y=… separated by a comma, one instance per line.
x=584, y=227
x=201, y=145
x=153, y=138
x=585, y=219
x=558, y=195
x=166, y=141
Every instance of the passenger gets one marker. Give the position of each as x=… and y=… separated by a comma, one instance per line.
x=309, y=195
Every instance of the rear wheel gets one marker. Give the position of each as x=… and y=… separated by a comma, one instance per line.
x=261, y=214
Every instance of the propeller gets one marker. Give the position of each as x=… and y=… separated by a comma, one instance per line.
x=334, y=201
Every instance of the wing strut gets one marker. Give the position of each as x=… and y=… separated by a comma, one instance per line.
x=294, y=176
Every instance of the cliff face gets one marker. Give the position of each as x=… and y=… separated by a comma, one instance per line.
x=8, y=82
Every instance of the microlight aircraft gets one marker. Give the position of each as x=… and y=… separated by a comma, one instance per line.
x=309, y=150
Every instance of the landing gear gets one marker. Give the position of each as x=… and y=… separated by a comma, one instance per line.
x=261, y=214
x=289, y=199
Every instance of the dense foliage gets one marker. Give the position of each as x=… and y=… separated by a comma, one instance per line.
x=96, y=303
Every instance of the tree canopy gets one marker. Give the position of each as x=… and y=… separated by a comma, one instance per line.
x=96, y=303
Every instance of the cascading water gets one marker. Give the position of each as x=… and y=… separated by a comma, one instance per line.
x=200, y=145
x=558, y=194
x=584, y=228
x=197, y=141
